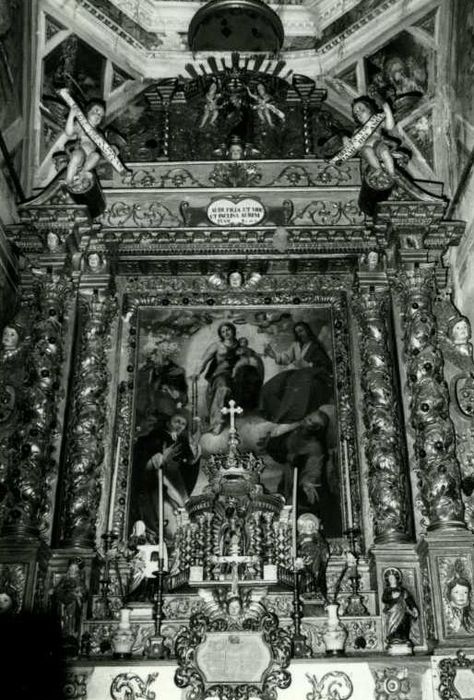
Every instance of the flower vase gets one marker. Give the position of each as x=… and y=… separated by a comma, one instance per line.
x=122, y=639
x=334, y=632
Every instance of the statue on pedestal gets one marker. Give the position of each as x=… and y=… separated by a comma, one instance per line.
x=69, y=598
x=400, y=611
x=314, y=551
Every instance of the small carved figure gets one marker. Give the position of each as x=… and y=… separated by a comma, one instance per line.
x=86, y=145
x=232, y=534
x=69, y=597
x=264, y=106
x=376, y=150
x=372, y=260
x=314, y=550
x=144, y=559
x=211, y=106
x=84, y=155
x=400, y=611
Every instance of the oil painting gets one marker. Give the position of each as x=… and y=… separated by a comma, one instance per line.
x=277, y=364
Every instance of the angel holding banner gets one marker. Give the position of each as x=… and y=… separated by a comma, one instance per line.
x=370, y=141
x=86, y=145
x=84, y=154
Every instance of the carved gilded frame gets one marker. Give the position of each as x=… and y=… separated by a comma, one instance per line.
x=190, y=291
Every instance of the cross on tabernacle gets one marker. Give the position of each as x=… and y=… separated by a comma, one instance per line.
x=232, y=411
x=234, y=560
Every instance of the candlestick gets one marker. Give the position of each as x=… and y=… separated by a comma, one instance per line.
x=347, y=480
x=161, y=550
x=113, y=487
x=295, y=516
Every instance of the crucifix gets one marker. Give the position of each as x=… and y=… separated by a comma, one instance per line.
x=235, y=560
x=232, y=411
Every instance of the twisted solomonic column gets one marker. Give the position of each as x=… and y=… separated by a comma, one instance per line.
x=85, y=439
x=387, y=471
x=437, y=466
x=34, y=405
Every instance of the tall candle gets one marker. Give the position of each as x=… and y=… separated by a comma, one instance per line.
x=161, y=543
x=295, y=514
x=347, y=479
x=113, y=487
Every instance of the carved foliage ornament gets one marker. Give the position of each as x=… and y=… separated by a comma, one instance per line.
x=31, y=469
x=335, y=685
x=448, y=669
x=438, y=468
x=130, y=686
x=387, y=480
x=88, y=418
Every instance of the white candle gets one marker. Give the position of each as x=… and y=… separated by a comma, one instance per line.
x=295, y=514
x=347, y=479
x=161, y=543
x=113, y=487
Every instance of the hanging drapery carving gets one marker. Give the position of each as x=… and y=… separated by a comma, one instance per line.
x=388, y=488
x=85, y=445
x=437, y=466
x=31, y=466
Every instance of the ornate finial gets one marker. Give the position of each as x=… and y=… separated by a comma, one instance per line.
x=240, y=470
x=232, y=411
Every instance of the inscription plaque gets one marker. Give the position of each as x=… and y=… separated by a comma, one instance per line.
x=245, y=212
x=233, y=657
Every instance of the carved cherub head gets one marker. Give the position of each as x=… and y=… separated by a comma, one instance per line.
x=363, y=108
x=10, y=338
x=459, y=592
x=459, y=331
x=95, y=112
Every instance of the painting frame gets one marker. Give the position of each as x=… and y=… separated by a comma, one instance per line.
x=190, y=291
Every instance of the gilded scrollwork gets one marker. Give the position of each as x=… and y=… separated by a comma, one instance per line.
x=12, y=587
x=334, y=685
x=145, y=214
x=87, y=423
x=131, y=685
x=438, y=469
x=189, y=675
x=328, y=213
x=246, y=174
x=383, y=442
x=75, y=684
x=448, y=669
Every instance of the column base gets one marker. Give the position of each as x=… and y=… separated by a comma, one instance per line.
x=23, y=571
x=447, y=563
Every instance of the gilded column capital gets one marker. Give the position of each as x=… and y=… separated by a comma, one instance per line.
x=85, y=438
x=387, y=471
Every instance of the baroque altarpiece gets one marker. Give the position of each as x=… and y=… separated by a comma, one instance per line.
x=229, y=319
